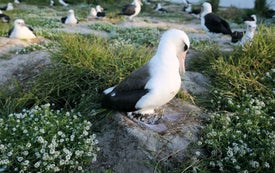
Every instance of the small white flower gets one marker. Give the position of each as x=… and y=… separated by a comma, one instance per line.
x=19, y=159
x=198, y=153
x=237, y=167
x=266, y=164
x=37, y=164
x=254, y=164
x=42, y=131
x=79, y=168
x=25, y=153
x=28, y=145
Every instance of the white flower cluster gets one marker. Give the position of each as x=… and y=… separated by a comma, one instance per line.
x=243, y=139
x=44, y=140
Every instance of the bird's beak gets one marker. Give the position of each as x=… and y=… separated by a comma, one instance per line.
x=181, y=57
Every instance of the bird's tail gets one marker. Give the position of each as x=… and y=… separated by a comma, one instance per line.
x=236, y=36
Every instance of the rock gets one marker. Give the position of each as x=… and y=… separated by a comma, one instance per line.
x=23, y=66
x=195, y=83
x=128, y=146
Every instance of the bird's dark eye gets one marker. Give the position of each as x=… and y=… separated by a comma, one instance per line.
x=185, y=47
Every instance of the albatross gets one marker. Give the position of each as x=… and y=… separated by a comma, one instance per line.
x=21, y=31
x=132, y=9
x=249, y=21
x=155, y=83
x=70, y=19
x=4, y=18
x=212, y=23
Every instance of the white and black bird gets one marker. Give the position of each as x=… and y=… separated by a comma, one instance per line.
x=212, y=23
x=8, y=7
x=21, y=31
x=155, y=83
x=92, y=14
x=159, y=8
x=238, y=35
x=195, y=12
x=52, y=3
x=132, y=9
x=70, y=18
x=4, y=18
x=99, y=11
x=249, y=33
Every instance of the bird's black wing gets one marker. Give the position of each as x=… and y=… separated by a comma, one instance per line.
x=100, y=14
x=237, y=36
x=5, y=18
x=4, y=8
x=63, y=19
x=217, y=25
x=10, y=31
x=129, y=9
x=30, y=28
x=126, y=94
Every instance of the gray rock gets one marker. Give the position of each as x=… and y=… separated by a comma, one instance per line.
x=195, y=83
x=132, y=147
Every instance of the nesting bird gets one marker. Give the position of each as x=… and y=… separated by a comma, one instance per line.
x=8, y=7
x=212, y=23
x=4, y=18
x=132, y=9
x=155, y=83
x=21, y=31
x=70, y=18
x=99, y=11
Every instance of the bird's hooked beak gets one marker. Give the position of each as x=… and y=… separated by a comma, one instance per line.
x=181, y=57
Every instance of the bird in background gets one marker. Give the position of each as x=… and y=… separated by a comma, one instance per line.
x=4, y=18
x=8, y=7
x=155, y=83
x=70, y=18
x=21, y=31
x=212, y=23
x=132, y=9
x=248, y=21
x=159, y=8
x=99, y=11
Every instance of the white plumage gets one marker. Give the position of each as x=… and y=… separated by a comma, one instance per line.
x=159, y=79
x=249, y=34
x=63, y=3
x=70, y=19
x=21, y=31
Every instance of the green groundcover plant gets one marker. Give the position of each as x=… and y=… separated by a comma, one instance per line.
x=46, y=140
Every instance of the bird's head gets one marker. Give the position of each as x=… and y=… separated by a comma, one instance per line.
x=206, y=8
x=176, y=41
x=70, y=12
x=99, y=8
x=251, y=26
x=19, y=23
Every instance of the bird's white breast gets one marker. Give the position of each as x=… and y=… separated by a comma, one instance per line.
x=71, y=20
x=164, y=84
x=22, y=33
